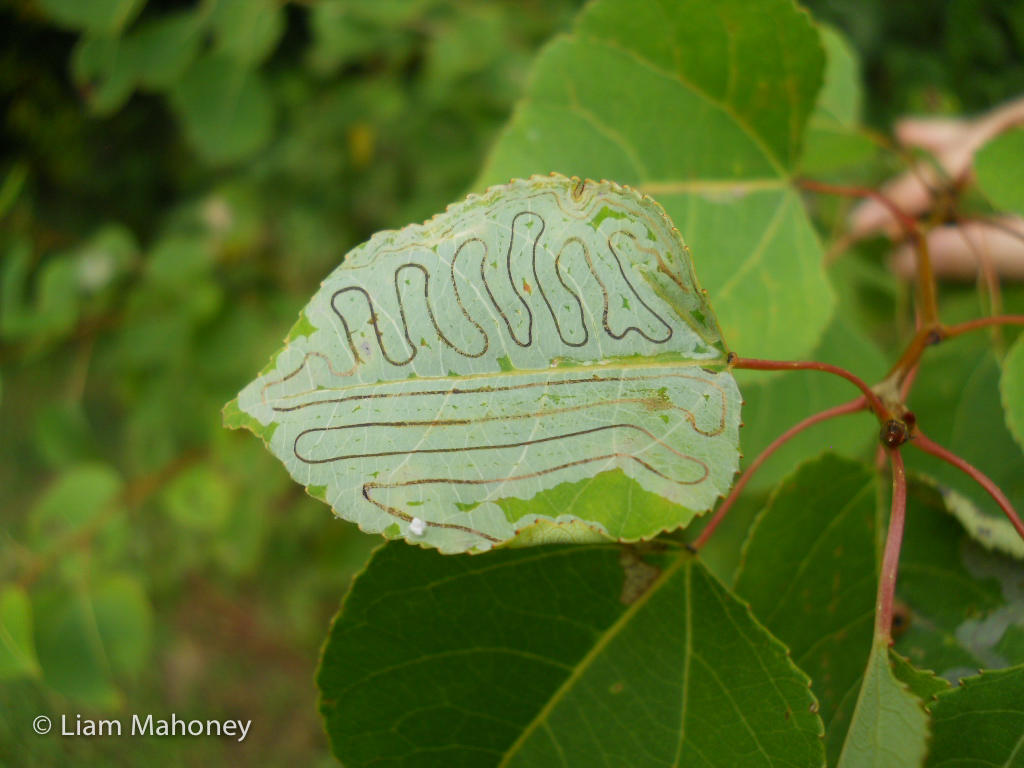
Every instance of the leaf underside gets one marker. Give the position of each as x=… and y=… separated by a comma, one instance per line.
x=545, y=342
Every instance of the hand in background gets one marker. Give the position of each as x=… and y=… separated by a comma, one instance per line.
x=958, y=251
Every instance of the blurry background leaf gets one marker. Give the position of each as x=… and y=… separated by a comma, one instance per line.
x=224, y=105
x=247, y=30
x=109, y=626
x=835, y=138
x=98, y=16
x=1005, y=190
x=1011, y=385
x=17, y=646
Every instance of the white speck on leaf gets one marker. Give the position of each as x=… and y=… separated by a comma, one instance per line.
x=417, y=527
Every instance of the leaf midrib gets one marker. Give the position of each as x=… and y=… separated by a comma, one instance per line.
x=584, y=664
x=711, y=363
x=676, y=77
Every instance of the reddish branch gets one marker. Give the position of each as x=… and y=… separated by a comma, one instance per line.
x=925, y=276
x=778, y=442
x=893, y=541
x=993, y=490
x=950, y=331
x=908, y=222
x=755, y=364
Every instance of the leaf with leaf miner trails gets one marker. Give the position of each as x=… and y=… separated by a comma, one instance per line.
x=517, y=347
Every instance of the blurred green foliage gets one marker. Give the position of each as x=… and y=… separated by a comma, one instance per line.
x=945, y=56
x=175, y=180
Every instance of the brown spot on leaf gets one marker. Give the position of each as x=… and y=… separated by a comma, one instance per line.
x=640, y=575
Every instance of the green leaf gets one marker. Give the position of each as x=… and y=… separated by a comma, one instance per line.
x=509, y=350
x=199, y=498
x=995, y=166
x=578, y=655
x=922, y=683
x=961, y=602
x=889, y=727
x=103, y=17
x=104, y=70
x=17, y=648
x=247, y=30
x=89, y=638
x=225, y=107
x=841, y=92
x=957, y=402
x=73, y=502
x=980, y=722
x=702, y=105
x=835, y=140
x=1011, y=387
x=164, y=47
x=808, y=571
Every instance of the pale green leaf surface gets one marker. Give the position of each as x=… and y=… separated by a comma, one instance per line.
x=73, y=502
x=980, y=723
x=199, y=498
x=889, y=728
x=17, y=647
x=1011, y=387
x=527, y=340
x=702, y=105
x=579, y=655
x=997, y=167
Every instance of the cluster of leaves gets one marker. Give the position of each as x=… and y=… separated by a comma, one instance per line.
x=640, y=655
x=154, y=241
x=153, y=251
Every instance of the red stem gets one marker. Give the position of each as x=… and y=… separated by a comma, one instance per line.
x=907, y=221
x=778, y=442
x=811, y=365
x=929, y=446
x=891, y=556
x=972, y=325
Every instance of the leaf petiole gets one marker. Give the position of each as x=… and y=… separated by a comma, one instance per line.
x=930, y=446
x=851, y=407
x=877, y=406
x=893, y=542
